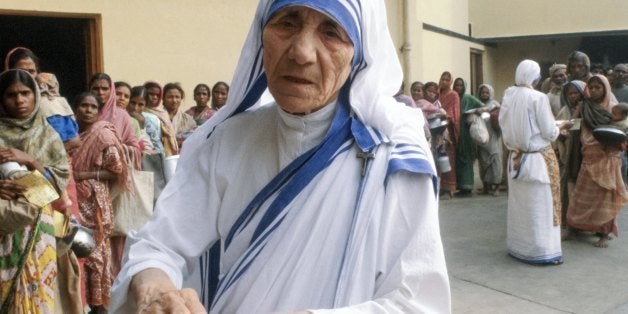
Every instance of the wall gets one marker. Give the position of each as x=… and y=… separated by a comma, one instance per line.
x=163, y=40
x=499, y=18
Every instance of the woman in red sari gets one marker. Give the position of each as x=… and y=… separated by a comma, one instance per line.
x=98, y=163
x=449, y=101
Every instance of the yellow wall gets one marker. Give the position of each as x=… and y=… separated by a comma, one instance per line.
x=188, y=42
x=501, y=18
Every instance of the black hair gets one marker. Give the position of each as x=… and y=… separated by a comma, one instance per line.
x=415, y=83
x=11, y=77
x=429, y=84
x=97, y=77
x=139, y=91
x=122, y=83
x=219, y=83
x=176, y=86
x=83, y=95
x=202, y=85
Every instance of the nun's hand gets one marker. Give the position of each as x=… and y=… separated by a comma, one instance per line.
x=154, y=292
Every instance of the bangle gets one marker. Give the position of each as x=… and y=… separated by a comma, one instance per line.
x=97, y=175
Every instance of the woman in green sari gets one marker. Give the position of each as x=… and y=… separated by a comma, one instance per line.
x=466, y=150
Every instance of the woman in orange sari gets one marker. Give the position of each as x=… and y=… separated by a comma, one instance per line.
x=449, y=101
x=599, y=193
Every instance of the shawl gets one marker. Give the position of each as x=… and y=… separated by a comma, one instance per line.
x=122, y=122
x=182, y=122
x=168, y=135
x=88, y=157
x=34, y=136
x=52, y=102
x=598, y=114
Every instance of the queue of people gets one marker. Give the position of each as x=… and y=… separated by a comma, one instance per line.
x=562, y=178
x=83, y=149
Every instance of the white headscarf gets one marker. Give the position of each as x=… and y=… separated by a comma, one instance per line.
x=527, y=72
x=375, y=78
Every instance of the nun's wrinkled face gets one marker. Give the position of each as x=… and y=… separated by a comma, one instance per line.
x=307, y=58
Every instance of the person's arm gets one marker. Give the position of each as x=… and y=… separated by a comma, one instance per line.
x=545, y=119
x=13, y=154
x=413, y=276
x=184, y=225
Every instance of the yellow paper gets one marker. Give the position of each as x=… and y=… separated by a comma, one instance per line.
x=39, y=190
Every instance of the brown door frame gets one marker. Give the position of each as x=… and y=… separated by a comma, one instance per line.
x=92, y=35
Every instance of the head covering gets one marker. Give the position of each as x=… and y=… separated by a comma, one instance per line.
x=580, y=87
x=376, y=73
x=582, y=57
x=491, y=91
x=527, y=72
x=122, y=121
x=598, y=114
x=464, y=85
x=48, y=84
x=8, y=57
x=557, y=67
x=621, y=67
x=34, y=136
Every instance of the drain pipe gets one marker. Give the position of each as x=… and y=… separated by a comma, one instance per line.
x=406, y=46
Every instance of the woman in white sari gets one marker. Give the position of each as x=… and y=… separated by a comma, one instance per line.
x=528, y=128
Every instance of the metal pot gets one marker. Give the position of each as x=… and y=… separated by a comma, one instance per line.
x=83, y=243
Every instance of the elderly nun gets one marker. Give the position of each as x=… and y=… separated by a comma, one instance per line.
x=325, y=199
x=528, y=128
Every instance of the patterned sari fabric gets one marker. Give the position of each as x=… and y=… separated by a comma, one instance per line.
x=451, y=103
x=35, y=287
x=101, y=150
x=554, y=176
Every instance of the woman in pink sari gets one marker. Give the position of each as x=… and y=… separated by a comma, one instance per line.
x=98, y=164
x=103, y=87
x=449, y=101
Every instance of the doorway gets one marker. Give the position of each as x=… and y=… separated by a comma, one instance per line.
x=68, y=45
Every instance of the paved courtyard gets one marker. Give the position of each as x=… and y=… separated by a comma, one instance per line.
x=484, y=279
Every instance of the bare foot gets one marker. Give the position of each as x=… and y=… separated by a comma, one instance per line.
x=602, y=242
x=568, y=234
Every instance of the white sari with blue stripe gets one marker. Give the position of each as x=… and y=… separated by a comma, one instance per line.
x=303, y=223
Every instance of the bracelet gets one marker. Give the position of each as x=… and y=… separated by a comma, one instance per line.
x=97, y=175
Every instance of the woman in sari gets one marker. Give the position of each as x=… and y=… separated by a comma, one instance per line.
x=220, y=92
x=182, y=123
x=490, y=155
x=599, y=193
x=202, y=111
x=103, y=87
x=568, y=145
x=98, y=163
x=465, y=148
x=450, y=101
x=28, y=264
x=158, y=125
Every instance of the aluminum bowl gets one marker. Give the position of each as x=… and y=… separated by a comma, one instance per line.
x=83, y=243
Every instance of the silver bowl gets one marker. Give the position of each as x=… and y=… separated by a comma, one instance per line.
x=83, y=243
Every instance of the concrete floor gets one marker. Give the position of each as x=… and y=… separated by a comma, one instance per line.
x=484, y=279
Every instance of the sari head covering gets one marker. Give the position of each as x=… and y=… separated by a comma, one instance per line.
x=33, y=135
x=491, y=91
x=580, y=87
x=120, y=119
x=375, y=77
x=527, y=73
x=582, y=57
x=9, y=60
x=598, y=114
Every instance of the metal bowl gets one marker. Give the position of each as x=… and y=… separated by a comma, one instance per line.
x=609, y=135
x=83, y=243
